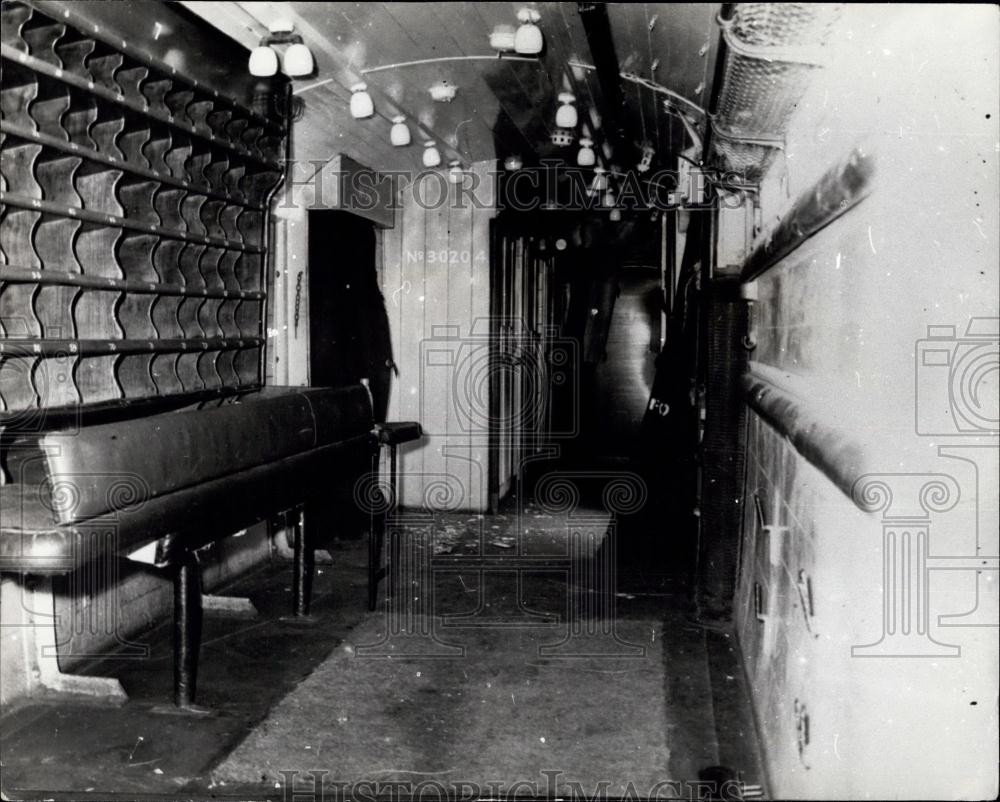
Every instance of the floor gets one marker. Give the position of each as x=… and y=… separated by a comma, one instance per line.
x=281, y=688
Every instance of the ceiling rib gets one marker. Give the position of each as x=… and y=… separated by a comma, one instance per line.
x=602, y=50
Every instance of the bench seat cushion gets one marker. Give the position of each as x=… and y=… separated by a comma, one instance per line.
x=192, y=475
x=98, y=468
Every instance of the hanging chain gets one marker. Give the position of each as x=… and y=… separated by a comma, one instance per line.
x=298, y=303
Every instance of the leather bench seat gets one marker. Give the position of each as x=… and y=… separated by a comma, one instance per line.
x=189, y=476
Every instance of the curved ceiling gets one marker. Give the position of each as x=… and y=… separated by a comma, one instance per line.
x=502, y=106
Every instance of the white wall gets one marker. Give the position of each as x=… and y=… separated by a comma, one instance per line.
x=844, y=314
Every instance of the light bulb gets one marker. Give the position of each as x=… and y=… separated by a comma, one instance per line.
x=560, y=244
x=502, y=38
x=513, y=163
x=431, y=156
x=443, y=92
x=528, y=40
x=586, y=156
x=647, y=159
x=263, y=62
x=600, y=180
x=361, y=102
x=298, y=61
x=566, y=116
x=399, y=134
x=616, y=215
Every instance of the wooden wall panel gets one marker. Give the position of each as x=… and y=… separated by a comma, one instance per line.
x=435, y=280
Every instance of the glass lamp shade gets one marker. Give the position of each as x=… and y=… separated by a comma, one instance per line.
x=513, y=163
x=455, y=173
x=263, y=62
x=399, y=134
x=600, y=180
x=361, y=102
x=616, y=215
x=528, y=40
x=560, y=244
x=609, y=198
x=586, y=156
x=566, y=116
x=298, y=61
x=647, y=159
x=502, y=38
x=431, y=158
x=281, y=26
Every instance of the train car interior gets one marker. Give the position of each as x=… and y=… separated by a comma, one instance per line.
x=485, y=400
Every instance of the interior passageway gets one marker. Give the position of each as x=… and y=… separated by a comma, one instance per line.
x=473, y=678
x=486, y=400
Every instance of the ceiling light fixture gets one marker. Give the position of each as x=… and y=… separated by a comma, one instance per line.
x=361, y=102
x=298, y=59
x=566, y=116
x=431, y=157
x=600, y=180
x=528, y=40
x=647, y=159
x=263, y=62
x=502, y=38
x=586, y=156
x=399, y=134
x=443, y=92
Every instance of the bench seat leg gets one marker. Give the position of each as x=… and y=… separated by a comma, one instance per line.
x=187, y=638
x=302, y=578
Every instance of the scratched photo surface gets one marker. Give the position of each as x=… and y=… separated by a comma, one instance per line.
x=486, y=401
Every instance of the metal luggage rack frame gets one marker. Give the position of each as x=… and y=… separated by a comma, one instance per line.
x=764, y=77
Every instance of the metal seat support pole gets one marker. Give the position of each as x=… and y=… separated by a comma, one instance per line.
x=304, y=562
x=376, y=534
x=187, y=630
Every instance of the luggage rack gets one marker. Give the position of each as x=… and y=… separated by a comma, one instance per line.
x=134, y=220
x=772, y=52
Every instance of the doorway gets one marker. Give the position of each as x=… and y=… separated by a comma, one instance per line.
x=348, y=325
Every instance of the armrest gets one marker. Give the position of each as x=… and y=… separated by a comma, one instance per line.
x=397, y=432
